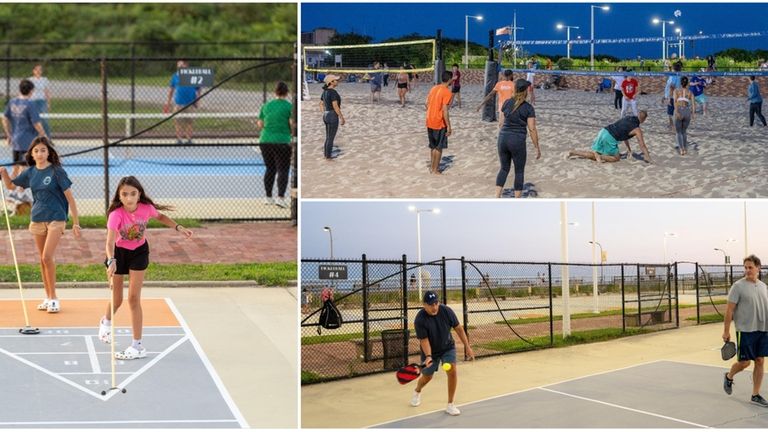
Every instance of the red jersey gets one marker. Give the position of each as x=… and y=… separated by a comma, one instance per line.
x=629, y=87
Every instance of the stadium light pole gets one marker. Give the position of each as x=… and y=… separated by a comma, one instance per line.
x=565, y=282
x=592, y=33
x=663, y=35
x=330, y=234
x=418, y=212
x=593, y=243
x=466, y=37
x=679, y=32
x=666, y=236
x=567, y=37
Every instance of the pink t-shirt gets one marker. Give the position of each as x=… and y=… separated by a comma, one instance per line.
x=131, y=227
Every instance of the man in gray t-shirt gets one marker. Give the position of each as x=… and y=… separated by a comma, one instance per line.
x=748, y=309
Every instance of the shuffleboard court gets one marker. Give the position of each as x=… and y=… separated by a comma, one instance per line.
x=660, y=394
x=55, y=378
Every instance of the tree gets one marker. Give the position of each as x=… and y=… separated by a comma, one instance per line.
x=351, y=38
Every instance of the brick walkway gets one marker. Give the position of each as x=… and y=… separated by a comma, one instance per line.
x=211, y=243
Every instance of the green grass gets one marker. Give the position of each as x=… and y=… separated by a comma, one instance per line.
x=707, y=319
x=576, y=338
x=99, y=222
x=310, y=377
x=322, y=339
x=268, y=274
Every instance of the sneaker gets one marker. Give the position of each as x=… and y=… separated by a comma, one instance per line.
x=131, y=353
x=189, y=142
x=452, y=410
x=282, y=202
x=759, y=400
x=269, y=201
x=54, y=306
x=43, y=306
x=416, y=399
x=179, y=142
x=105, y=332
x=727, y=384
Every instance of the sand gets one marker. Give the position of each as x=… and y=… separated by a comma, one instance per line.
x=382, y=150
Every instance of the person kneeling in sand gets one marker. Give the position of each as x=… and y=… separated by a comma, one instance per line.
x=605, y=148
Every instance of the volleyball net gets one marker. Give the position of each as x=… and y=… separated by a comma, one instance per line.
x=393, y=57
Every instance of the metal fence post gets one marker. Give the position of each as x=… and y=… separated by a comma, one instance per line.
x=264, y=73
x=698, y=309
x=294, y=146
x=366, y=325
x=623, y=304
x=445, y=282
x=677, y=300
x=133, y=87
x=639, y=302
x=551, y=312
x=7, y=73
x=465, y=312
x=668, y=289
x=404, y=282
x=105, y=130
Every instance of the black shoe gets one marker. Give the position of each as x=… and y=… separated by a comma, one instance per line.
x=728, y=385
x=759, y=400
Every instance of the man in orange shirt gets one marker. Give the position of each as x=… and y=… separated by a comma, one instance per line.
x=438, y=123
x=506, y=90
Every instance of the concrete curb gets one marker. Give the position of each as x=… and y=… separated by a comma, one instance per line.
x=149, y=284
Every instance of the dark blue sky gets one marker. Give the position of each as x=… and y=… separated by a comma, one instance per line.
x=385, y=20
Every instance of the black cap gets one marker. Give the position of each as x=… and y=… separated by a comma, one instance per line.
x=521, y=85
x=430, y=298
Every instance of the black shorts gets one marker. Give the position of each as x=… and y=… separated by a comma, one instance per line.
x=752, y=345
x=127, y=259
x=18, y=155
x=402, y=85
x=456, y=89
x=438, y=138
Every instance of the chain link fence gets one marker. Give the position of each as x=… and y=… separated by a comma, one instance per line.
x=504, y=307
x=110, y=117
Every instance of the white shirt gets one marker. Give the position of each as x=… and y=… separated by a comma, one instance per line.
x=529, y=77
x=617, y=80
x=41, y=85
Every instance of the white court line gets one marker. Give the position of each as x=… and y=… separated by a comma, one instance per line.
x=95, y=366
x=74, y=352
x=515, y=392
x=49, y=373
x=625, y=408
x=219, y=384
x=38, y=336
x=145, y=368
x=91, y=373
x=117, y=422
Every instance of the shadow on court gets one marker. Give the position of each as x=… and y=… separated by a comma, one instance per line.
x=661, y=394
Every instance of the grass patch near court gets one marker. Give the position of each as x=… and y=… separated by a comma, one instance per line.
x=100, y=222
x=707, y=319
x=310, y=377
x=576, y=338
x=268, y=274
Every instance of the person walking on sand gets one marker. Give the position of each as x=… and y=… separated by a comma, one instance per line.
x=685, y=107
x=438, y=121
x=629, y=88
x=755, y=102
x=503, y=90
x=330, y=104
x=402, y=86
x=519, y=119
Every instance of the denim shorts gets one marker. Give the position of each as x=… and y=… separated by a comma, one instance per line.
x=446, y=357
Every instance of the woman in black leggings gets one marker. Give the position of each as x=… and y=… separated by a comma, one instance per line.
x=519, y=118
x=330, y=103
x=277, y=127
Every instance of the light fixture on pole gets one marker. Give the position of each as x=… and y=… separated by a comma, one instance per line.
x=466, y=37
x=680, y=50
x=567, y=37
x=663, y=35
x=666, y=236
x=418, y=212
x=330, y=234
x=592, y=33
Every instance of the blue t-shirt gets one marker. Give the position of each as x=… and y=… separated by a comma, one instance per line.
x=48, y=186
x=22, y=113
x=184, y=95
x=697, y=85
x=672, y=80
x=437, y=329
x=753, y=93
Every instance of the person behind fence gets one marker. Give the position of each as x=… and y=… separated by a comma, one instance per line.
x=183, y=97
x=433, y=326
x=41, y=96
x=53, y=200
x=330, y=104
x=22, y=125
x=605, y=147
x=755, y=102
x=276, y=125
x=748, y=309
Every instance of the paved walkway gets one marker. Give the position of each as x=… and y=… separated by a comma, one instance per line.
x=212, y=243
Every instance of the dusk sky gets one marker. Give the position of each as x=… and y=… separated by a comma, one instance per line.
x=630, y=231
x=386, y=20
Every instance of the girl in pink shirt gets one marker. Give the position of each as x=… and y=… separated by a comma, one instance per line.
x=128, y=254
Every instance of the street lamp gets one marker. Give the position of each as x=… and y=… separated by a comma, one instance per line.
x=418, y=235
x=466, y=37
x=663, y=35
x=593, y=243
x=330, y=234
x=592, y=33
x=679, y=32
x=666, y=236
x=567, y=37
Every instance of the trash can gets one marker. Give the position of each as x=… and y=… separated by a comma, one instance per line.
x=395, y=343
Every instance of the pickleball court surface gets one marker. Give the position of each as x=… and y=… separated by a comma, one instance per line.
x=55, y=378
x=659, y=394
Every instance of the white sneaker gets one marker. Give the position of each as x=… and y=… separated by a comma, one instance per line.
x=269, y=201
x=105, y=332
x=452, y=410
x=131, y=353
x=416, y=399
x=53, y=306
x=283, y=202
x=43, y=306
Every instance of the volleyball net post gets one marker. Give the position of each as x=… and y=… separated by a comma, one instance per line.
x=491, y=77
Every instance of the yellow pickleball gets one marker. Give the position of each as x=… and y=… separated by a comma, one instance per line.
x=446, y=367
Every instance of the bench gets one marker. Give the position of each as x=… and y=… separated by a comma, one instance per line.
x=645, y=318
